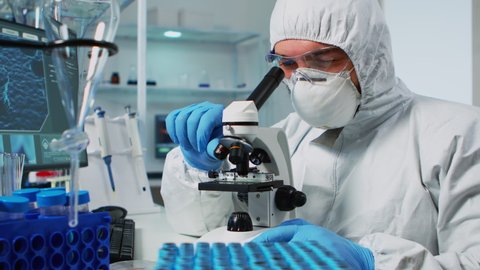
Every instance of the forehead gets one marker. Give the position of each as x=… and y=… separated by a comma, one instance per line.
x=293, y=47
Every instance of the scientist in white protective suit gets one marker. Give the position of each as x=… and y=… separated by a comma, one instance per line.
x=392, y=178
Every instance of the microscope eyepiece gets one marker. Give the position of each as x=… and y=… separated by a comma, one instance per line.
x=266, y=87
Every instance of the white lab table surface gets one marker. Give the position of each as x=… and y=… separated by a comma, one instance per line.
x=151, y=231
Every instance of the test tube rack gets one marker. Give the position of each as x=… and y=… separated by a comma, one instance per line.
x=49, y=243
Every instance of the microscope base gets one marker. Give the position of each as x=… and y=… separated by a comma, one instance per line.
x=222, y=235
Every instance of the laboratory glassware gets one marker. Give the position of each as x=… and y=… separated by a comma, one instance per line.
x=11, y=171
x=83, y=31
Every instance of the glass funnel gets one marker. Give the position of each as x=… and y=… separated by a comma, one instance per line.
x=80, y=33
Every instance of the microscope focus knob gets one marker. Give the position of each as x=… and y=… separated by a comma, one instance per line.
x=287, y=198
x=239, y=222
x=221, y=152
x=259, y=156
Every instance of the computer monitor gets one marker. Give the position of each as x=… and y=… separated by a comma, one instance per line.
x=31, y=110
x=163, y=143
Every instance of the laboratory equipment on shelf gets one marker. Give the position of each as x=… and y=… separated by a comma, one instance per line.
x=262, y=171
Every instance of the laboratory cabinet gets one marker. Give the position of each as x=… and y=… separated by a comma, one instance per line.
x=200, y=64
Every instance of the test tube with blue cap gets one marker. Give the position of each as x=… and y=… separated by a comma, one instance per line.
x=51, y=203
x=30, y=194
x=83, y=200
x=12, y=208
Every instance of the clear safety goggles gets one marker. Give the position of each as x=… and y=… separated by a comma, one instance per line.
x=314, y=76
x=329, y=59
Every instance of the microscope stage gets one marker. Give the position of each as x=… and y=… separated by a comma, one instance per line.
x=240, y=186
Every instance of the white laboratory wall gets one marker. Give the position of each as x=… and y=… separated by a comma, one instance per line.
x=177, y=63
x=432, y=46
x=431, y=40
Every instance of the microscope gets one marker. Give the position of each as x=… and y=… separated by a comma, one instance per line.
x=261, y=170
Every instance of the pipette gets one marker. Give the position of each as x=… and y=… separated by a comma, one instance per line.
x=105, y=149
x=137, y=152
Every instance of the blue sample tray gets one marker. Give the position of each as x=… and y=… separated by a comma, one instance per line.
x=280, y=255
x=49, y=243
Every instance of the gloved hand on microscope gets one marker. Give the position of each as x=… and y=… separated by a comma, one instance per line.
x=197, y=129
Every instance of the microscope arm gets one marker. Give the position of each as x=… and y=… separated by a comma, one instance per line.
x=274, y=142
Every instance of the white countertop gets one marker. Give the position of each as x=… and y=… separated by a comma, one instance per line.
x=151, y=231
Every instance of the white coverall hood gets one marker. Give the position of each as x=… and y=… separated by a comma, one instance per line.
x=356, y=26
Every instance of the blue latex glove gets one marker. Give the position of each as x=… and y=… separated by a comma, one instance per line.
x=197, y=129
x=355, y=255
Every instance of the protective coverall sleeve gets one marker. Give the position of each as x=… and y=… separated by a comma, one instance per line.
x=188, y=210
x=392, y=252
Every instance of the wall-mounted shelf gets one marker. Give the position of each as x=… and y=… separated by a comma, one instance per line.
x=173, y=91
x=187, y=35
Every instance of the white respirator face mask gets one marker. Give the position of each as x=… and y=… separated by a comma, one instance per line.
x=323, y=99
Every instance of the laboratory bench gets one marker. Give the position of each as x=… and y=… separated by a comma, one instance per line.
x=151, y=231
